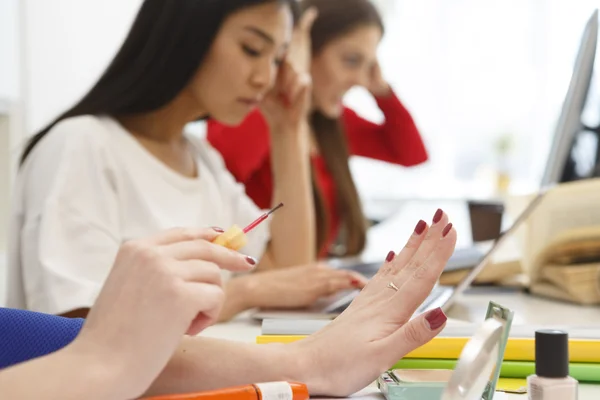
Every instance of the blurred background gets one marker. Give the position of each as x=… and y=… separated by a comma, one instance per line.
x=485, y=81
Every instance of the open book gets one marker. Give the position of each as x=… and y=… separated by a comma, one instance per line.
x=561, y=247
x=556, y=252
x=504, y=268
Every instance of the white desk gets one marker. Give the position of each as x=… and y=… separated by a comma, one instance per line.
x=470, y=307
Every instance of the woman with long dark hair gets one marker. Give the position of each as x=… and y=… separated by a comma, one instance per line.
x=118, y=165
x=343, y=43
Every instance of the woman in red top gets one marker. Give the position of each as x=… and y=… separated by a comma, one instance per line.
x=344, y=39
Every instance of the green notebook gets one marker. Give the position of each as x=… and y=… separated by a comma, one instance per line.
x=583, y=372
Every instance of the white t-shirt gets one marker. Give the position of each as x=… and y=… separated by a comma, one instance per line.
x=87, y=187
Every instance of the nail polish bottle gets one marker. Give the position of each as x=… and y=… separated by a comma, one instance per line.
x=551, y=380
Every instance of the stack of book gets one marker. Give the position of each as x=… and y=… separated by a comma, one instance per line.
x=443, y=351
x=561, y=248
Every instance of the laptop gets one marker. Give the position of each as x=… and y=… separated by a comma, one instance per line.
x=440, y=296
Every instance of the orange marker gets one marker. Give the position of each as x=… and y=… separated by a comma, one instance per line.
x=258, y=391
x=235, y=238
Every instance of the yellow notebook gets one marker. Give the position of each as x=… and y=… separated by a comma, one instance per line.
x=517, y=349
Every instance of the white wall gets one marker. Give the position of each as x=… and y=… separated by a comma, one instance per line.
x=68, y=45
x=9, y=49
x=9, y=100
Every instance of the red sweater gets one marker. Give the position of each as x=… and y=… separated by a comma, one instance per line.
x=245, y=149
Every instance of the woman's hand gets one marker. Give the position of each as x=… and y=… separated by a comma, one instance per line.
x=286, y=105
x=159, y=289
x=300, y=52
x=378, y=86
x=376, y=330
x=298, y=287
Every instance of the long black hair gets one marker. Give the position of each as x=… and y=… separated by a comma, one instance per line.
x=166, y=44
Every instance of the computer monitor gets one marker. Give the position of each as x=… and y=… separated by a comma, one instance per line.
x=560, y=166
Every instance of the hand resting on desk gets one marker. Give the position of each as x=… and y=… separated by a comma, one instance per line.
x=298, y=287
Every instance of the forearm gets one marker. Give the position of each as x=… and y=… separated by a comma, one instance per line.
x=66, y=374
x=293, y=230
x=238, y=297
x=206, y=364
x=400, y=132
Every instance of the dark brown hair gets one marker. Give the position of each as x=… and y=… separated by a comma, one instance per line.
x=337, y=18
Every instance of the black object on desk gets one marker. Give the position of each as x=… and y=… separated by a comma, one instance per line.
x=486, y=219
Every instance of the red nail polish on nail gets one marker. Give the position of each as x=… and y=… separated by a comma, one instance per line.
x=354, y=282
x=390, y=256
x=447, y=230
x=437, y=216
x=217, y=229
x=251, y=260
x=436, y=318
x=420, y=228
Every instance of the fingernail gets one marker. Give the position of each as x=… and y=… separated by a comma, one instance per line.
x=251, y=260
x=390, y=256
x=436, y=318
x=354, y=282
x=420, y=228
x=438, y=216
x=447, y=230
x=217, y=229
